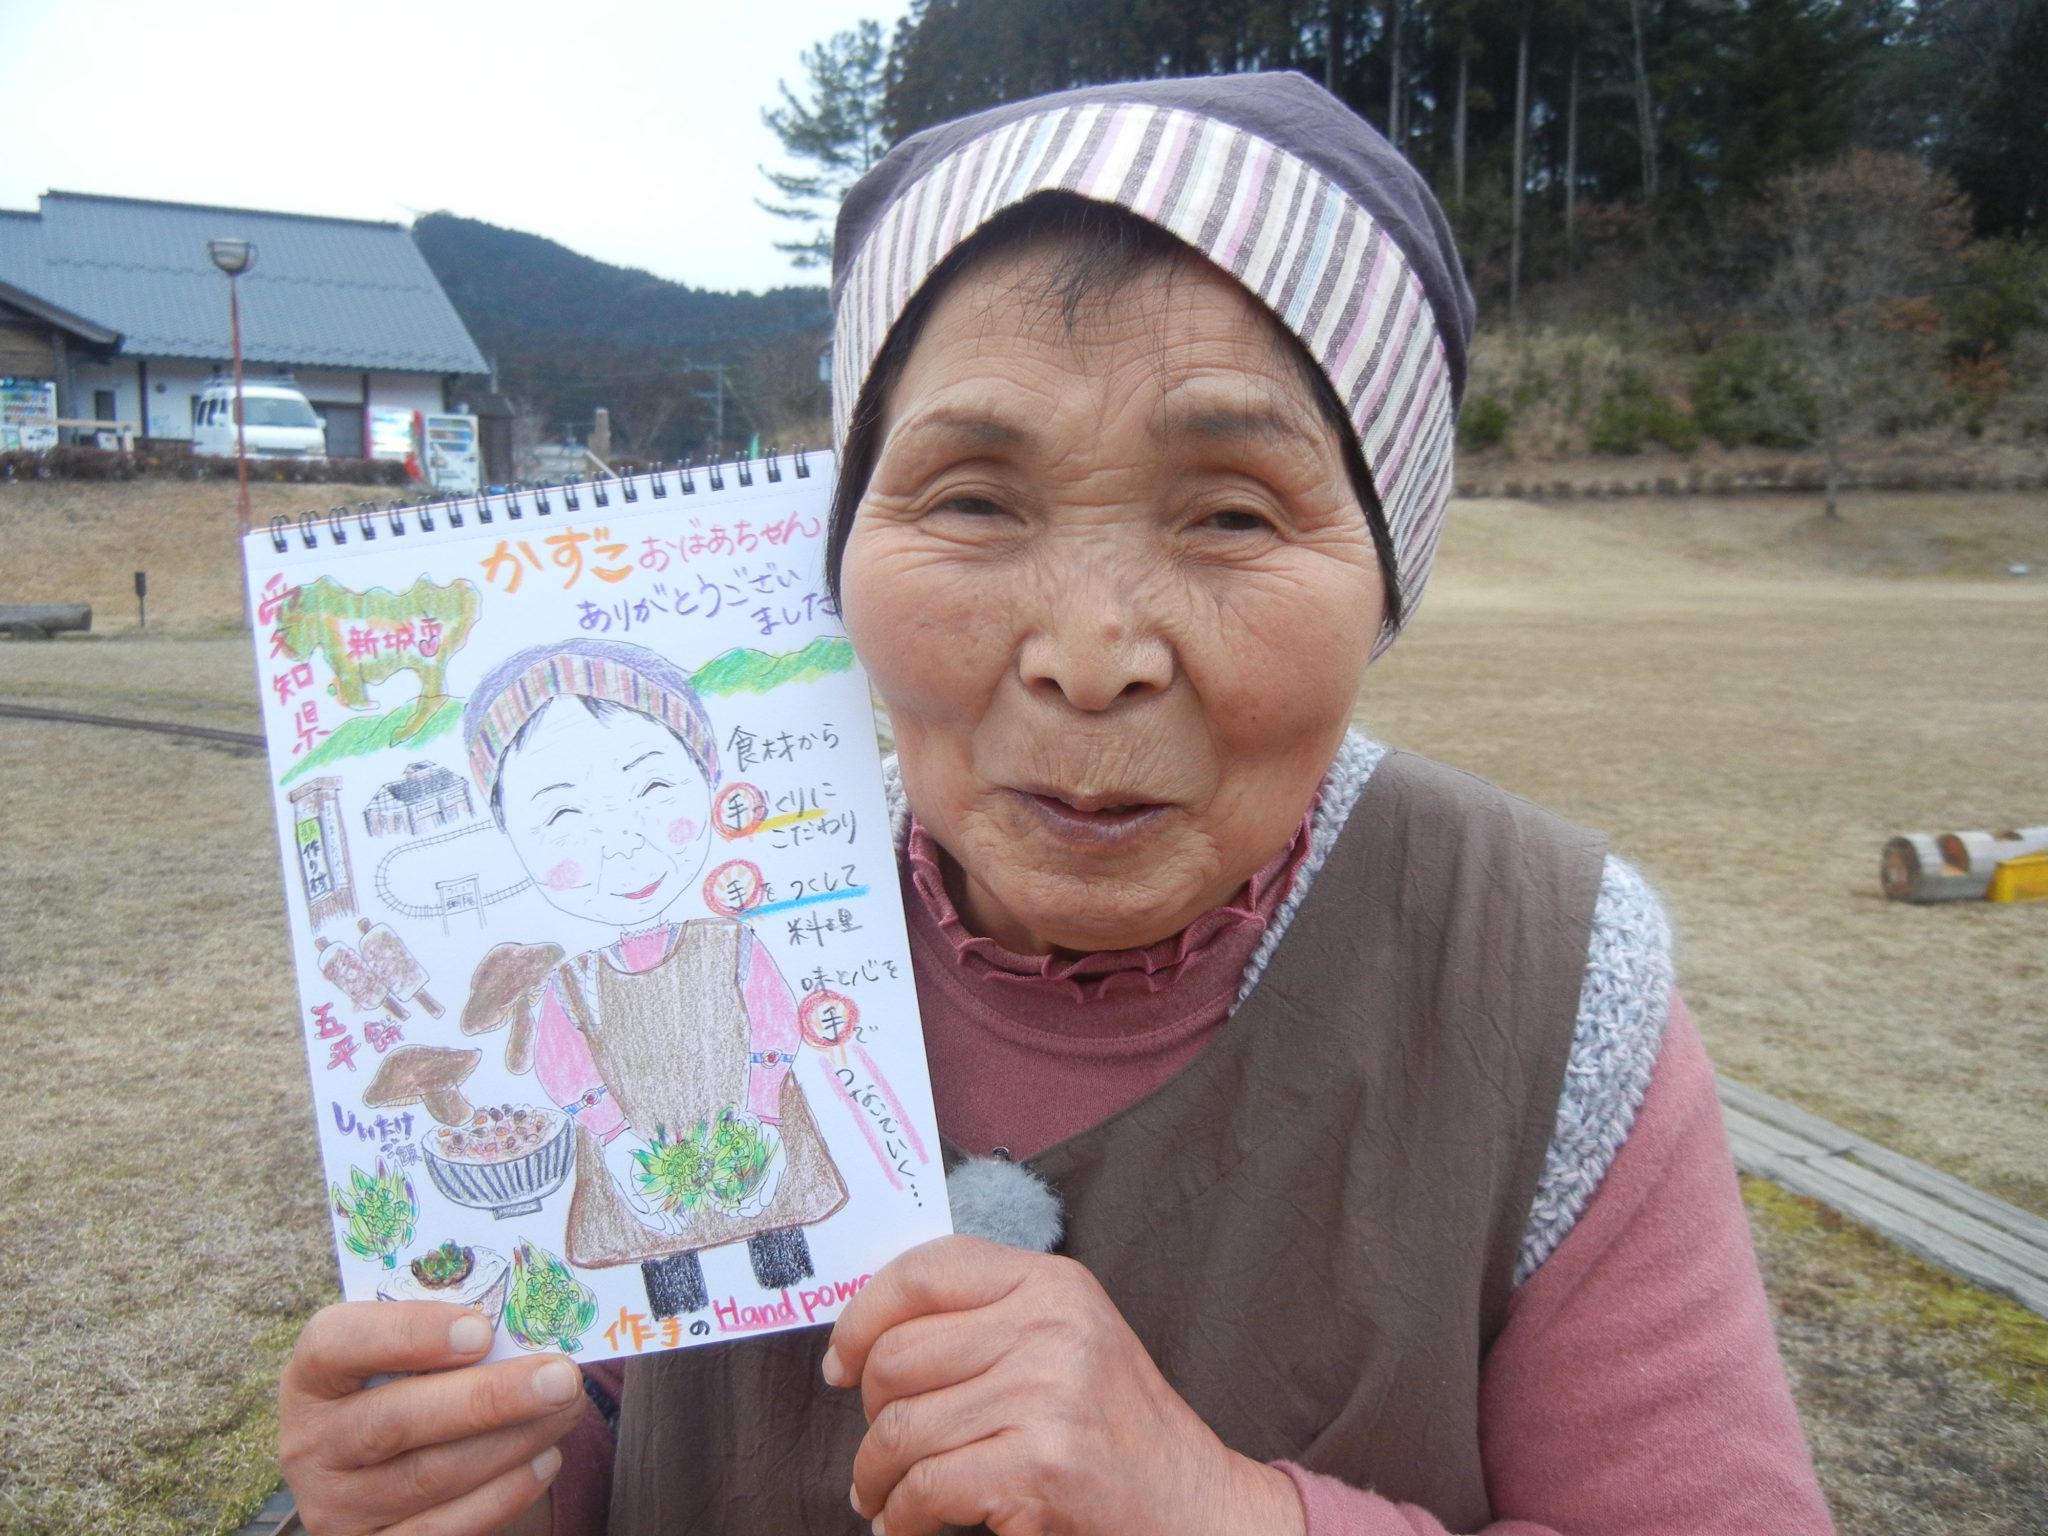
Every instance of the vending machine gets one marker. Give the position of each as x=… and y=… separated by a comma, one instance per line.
x=454, y=454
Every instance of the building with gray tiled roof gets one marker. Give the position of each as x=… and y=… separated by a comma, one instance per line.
x=116, y=300
x=428, y=796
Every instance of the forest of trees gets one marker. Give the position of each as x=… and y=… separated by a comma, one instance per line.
x=1643, y=116
x=1840, y=205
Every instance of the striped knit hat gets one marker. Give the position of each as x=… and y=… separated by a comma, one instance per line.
x=1273, y=180
x=629, y=675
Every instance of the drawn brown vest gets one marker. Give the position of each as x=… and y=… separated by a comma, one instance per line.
x=672, y=1044
x=1312, y=1226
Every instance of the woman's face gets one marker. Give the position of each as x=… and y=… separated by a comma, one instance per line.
x=610, y=816
x=1113, y=584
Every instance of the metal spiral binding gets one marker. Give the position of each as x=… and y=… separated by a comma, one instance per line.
x=427, y=509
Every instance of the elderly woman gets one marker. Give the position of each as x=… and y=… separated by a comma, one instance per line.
x=1397, y=1199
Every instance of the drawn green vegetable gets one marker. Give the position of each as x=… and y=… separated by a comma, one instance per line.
x=380, y=1210
x=674, y=1174
x=739, y=1154
x=723, y=1161
x=549, y=1308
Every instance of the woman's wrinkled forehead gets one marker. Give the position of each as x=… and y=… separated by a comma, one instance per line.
x=1202, y=358
x=1268, y=179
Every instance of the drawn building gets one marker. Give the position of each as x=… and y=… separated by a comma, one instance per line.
x=429, y=796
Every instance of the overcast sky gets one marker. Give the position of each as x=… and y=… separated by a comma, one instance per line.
x=629, y=130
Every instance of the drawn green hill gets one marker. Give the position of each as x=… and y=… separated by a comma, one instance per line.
x=356, y=738
x=749, y=671
x=742, y=670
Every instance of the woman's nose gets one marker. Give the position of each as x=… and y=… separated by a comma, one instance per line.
x=1096, y=646
x=619, y=835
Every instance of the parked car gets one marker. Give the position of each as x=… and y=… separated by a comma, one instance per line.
x=277, y=421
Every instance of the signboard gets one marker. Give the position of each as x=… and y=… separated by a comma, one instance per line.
x=454, y=459
x=28, y=414
x=391, y=435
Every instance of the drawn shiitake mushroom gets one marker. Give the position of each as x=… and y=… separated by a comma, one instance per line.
x=424, y=1074
x=502, y=991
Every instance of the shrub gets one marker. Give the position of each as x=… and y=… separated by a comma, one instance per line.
x=1631, y=413
x=1483, y=423
x=76, y=461
x=1746, y=391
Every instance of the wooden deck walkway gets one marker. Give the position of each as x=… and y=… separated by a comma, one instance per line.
x=1941, y=1219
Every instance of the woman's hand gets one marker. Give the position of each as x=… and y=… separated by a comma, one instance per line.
x=465, y=1449
x=1004, y=1388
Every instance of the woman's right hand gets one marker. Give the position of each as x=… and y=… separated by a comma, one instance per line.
x=461, y=1450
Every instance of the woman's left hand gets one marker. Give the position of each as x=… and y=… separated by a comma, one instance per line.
x=1004, y=1388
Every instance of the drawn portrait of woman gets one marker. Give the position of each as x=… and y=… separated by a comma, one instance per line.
x=671, y=1044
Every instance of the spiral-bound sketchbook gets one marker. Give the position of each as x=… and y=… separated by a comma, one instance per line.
x=602, y=970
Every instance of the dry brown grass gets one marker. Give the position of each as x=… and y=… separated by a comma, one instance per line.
x=1748, y=700
x=1925, y=1401
x=1750, y=723
x=161, y=1233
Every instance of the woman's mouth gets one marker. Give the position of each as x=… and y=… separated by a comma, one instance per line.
x=1092, y=819
x=645, y=891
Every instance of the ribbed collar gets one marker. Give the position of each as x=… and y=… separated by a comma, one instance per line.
x=1126, y=990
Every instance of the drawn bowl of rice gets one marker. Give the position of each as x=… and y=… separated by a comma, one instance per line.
x=502, y=1160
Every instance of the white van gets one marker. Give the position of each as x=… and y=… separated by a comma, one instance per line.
x=277, y=421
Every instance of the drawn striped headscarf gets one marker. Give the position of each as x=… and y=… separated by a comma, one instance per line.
x=1272, y=179
x=630, y=676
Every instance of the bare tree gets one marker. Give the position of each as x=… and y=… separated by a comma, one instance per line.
x=1860, y=245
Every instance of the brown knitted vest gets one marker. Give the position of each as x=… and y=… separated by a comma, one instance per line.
x=1312, y=1226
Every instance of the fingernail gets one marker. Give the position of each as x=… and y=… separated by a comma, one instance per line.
x=877, y=1527
x=853, y=1498
x=557, y=1382
x=546, y=1464
x=469, y=1335
x=835, y=1373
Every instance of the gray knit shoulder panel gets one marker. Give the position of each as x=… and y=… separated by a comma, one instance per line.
x=1623, y=1003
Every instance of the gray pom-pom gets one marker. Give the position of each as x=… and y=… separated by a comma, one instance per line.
x=1006, y=1203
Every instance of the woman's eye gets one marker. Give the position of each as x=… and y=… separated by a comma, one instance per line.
x=652, y=785
x=1236, y=520
x=567, y=810
x=971, y=506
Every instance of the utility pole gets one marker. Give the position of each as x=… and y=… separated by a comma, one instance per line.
x=716, y=395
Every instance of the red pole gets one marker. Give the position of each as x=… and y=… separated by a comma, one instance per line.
x=241, y=444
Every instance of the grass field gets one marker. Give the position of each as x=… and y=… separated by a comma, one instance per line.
x=1748, y=700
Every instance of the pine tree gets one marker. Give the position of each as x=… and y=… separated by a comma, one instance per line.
x=839, y=130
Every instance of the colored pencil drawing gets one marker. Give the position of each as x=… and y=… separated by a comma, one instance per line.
x=746, y=670
x=320, y=838
x=469, y=1276
x=671, y=1046
x=367, y=638
x=380, y=1210
x=548, y=1308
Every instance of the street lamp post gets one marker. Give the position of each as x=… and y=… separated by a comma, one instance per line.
x=235, y=257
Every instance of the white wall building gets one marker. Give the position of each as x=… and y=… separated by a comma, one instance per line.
x=350, y=309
